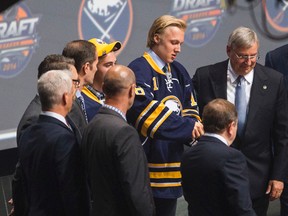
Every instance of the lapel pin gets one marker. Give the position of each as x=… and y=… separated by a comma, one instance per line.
x=264, y=87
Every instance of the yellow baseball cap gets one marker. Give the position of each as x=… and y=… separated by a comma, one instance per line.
x=104, y=48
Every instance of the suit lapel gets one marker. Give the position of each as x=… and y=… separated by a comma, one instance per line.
x=258, y=93
x=218, y=77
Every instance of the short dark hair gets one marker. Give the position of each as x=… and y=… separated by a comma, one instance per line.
x=217, y=115
x=54, y=62
x=81, y=51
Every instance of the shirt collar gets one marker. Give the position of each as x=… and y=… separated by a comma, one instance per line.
x=55, y=115
x=248, y=77
x=218, y=137
x=116, y=110
x=160, y=63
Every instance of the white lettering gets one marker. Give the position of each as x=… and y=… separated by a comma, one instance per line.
x=17, y=28
x=192, y=4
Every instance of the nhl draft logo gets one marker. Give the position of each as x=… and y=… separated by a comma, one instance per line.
x=107, y=20
x=18, y=39
x=277, y=14
x=203, y=18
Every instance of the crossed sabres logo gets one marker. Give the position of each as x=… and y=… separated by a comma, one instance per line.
x=107, y=20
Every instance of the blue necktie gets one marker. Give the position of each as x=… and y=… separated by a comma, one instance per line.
x=241, y=103
x=82, y=103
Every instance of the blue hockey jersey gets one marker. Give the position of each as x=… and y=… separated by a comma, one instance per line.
x=164, y=113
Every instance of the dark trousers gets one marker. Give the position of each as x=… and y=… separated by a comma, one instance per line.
x=284, y=200
x=260, y=205
x=165, y=207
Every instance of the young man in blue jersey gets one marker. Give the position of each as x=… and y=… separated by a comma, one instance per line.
x=165, y=111
x=93, y=94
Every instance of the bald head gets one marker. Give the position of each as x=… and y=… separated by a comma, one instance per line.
x=118, y=79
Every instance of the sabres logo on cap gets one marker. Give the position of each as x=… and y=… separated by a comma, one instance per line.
x=18, y=39
x=203, y=19
x=109, y=20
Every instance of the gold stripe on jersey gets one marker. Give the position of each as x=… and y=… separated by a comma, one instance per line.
x=171, y=184
x=143, y=113
x=164, y=165
x=89, y=94
x=165, y=175
x=153, y=64
x=151, y=118
x=160, y=122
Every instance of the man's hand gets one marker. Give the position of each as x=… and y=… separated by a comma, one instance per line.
x=12, y=204
x=198, y=130
x=274, y=189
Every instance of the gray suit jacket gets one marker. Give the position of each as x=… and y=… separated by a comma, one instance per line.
x=266, y=134
x=117, y=167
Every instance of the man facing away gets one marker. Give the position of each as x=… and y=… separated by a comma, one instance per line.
x=113, y=155
x=49, y=153
x=214, y=176
x=165, y=111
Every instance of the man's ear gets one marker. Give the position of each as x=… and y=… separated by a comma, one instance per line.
x=86, y=67
x=156, y=38
x=65, y=98
x=132, y=90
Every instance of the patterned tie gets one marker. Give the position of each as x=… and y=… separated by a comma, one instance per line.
x=241, y=103
x=82, y=103
x=167, y=72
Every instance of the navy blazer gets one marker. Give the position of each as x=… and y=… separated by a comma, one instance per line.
x=266, y=133
x=52, y=170
x=278, y=60
x=215, y=180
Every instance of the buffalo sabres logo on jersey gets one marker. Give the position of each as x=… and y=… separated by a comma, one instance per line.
x=173, y=103
x=107, y=20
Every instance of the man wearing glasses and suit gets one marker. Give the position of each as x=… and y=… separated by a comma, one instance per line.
x=261, y=101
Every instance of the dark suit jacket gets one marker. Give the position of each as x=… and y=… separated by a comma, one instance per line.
x=266, y=125
x=215, y=180
x=76, y=120
x=278, y=60
x=117, y=167
x=52, y=170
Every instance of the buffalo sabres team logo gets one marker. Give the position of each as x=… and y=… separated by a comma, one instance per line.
x=18, y=39
x=277, y=14
x=203, y=18
x=107, y=20
x=173, y=103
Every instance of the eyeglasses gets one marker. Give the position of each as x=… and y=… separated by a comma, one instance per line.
x=246, y=57
x=76, y=83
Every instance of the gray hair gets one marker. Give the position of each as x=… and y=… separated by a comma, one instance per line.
x=52, y=85
x=242, y=37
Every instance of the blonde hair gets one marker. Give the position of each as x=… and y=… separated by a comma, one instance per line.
x=160, y=24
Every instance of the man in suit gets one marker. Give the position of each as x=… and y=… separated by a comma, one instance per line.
x=85, y=55
x=263, y=126
x=113, y=155
x=30, y=117
x=278, y=60
x=31, y=114
x=49, y=153
x=214, y=176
